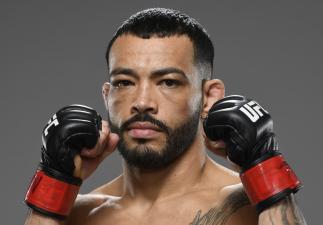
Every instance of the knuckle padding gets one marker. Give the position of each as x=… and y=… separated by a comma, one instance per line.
x=231, y=98
x=77, y=107
x=77, y=114
x=80, y=112
x=78, y=128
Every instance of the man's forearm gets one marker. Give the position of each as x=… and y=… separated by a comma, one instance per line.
x=35, y=218
x=285, y=212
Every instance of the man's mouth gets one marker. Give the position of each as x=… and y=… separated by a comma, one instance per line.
x=143, y=130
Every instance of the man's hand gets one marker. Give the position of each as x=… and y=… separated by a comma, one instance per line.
x=217, y=147
x=89, y=159
x=74, y=143
x=247, y=132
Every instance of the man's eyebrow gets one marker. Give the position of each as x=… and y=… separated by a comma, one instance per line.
x=168, y=70
x=155, y=73
x=123, y=71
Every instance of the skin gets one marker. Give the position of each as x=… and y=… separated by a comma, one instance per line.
x=193, y=189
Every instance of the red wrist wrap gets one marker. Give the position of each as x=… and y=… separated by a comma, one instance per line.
x=50, y=194
x=268, y=178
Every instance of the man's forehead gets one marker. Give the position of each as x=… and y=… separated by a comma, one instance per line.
x=130, y=38
x=132, y=49
x=163, y=45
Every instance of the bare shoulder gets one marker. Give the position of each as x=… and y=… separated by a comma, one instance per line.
x=232, y=204
x=235, y=205
x=233, y=208
x=113, y=187
x=238, y=206
x=86, y=204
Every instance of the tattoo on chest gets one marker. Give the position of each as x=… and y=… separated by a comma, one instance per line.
x=219, y=215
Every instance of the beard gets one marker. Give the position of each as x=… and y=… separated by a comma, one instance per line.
x=178, y=140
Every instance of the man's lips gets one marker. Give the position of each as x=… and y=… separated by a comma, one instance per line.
x=143, y=130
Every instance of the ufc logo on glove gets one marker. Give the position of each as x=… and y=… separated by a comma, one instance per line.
x=252, y=110
x=52, y=121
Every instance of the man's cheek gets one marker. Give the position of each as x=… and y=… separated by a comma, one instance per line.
x=114, y=122
x=115, y=113
x=186, y=111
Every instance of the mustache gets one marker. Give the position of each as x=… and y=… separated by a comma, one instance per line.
x=145, y=117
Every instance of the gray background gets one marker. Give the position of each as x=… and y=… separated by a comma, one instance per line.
x=52, y=54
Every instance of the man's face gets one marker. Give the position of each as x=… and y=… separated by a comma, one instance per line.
x=154, y=98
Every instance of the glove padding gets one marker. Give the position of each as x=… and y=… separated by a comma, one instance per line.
x=248, y=134
x=54, y=188
x=247, y=130
x=77, y=127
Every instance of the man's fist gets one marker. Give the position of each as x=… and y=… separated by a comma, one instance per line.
x=245, y=127
x=54, y=187
x=70, y=130
x=247, y=131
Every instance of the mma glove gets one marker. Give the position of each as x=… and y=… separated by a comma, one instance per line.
x=247, y=130
x=54, y=188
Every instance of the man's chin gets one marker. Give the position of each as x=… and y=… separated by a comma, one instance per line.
x=142, y=144
x=143, y=147
x=144, y=157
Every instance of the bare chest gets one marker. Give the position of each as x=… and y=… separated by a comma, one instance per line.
x=184, y=215
x=179, y=212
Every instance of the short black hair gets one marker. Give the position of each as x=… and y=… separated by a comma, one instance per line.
x=161, y=22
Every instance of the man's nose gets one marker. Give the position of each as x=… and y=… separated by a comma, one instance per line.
x=144, y=100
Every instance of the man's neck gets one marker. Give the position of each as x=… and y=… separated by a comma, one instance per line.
x=177, y=178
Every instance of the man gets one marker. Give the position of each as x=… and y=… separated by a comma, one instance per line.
x=159, y=97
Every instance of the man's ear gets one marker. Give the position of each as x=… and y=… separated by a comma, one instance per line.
x=105, y=93
x=213, y=91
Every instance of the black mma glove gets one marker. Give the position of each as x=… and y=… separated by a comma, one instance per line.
x=54, y=188
x=247, y=130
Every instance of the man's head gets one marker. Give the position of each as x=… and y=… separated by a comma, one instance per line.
x=157, y=61
x=160, y=22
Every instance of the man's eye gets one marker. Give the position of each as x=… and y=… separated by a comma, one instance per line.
x=121, y=83
x=170, y=83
